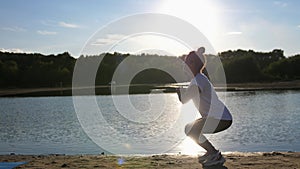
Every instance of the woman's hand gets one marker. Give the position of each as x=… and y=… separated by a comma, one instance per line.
x=179, y=93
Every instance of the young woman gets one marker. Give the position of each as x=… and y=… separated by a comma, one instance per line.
x=215, y=115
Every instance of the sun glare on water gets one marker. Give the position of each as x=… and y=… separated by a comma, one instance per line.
x=189, y=147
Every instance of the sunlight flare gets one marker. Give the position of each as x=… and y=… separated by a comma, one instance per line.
x=200, y=13
x=189, y=147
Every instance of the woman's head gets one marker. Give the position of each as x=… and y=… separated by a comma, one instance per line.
x=200, y=51
x=195, y=61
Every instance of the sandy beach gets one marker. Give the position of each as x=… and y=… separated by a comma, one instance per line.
x=236, y=160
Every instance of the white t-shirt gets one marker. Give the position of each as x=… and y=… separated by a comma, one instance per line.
x=206, y=99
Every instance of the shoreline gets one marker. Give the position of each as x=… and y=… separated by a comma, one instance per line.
x=236, y=160
x=144, y=88
x=288, y=85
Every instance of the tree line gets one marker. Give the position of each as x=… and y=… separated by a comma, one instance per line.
x=250, y=66
x=35, y=70
x=18, y=70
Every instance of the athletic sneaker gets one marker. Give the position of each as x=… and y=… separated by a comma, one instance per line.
x=207, y=156
x=201, y=159
x=214, y=159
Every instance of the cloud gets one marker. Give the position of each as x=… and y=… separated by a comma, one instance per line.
x=280, y=3
x=46, y=32
x=49, y=23
x=109, y=39
x=68, y=25
x=234, y=33
x=14, y=29
x=59, y=24
x=15, y=50
x=298, y=26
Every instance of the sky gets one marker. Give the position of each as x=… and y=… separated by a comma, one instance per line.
x=52, y=27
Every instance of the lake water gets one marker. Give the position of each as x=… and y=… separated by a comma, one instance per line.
x=263, y=121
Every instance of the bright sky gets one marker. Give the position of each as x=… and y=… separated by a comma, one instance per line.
x=56, y=26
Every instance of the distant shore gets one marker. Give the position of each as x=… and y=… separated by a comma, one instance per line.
x=288, y=85
x=236, y=160
x=145, y=88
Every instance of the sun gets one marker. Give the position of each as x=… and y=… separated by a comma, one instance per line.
x=200, y=13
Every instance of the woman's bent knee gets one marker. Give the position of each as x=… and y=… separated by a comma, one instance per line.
x=188, y=128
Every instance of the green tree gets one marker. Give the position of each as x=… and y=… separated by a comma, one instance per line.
x=285, y=69
x=242, y=69
x=9, y=73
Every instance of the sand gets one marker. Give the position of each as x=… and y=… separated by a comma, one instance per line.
x=233, y=160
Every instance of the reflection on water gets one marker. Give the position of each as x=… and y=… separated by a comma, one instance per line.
x=263, y=121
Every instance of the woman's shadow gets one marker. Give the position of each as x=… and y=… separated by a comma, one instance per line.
x=215, y=167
